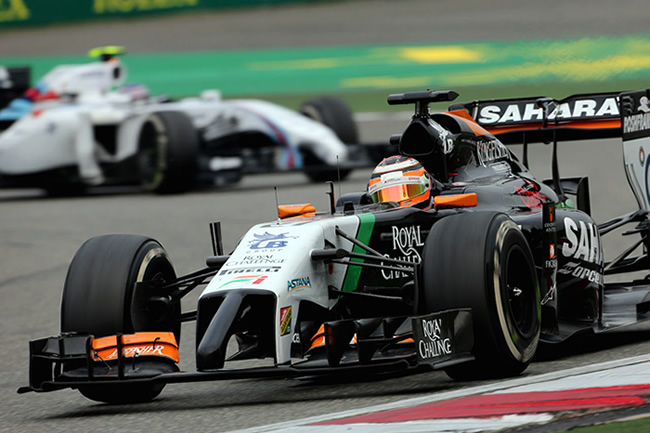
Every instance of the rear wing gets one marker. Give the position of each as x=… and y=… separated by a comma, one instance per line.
x=577, y=117
x=542, y=119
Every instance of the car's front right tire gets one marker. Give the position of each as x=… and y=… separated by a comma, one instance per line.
x=168, y=148
x=334, y=113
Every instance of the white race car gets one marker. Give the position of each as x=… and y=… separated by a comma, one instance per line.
x=80, y=126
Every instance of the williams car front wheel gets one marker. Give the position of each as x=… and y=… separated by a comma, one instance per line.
x=168, y=148
x=482, y=261
x=334, y=113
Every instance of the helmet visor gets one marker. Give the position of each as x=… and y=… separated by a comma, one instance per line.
x=398, y=193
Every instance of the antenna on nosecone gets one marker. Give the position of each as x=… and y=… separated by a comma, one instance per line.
x=338, y=173
x=277, y=203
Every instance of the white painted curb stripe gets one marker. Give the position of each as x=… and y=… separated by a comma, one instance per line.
x=503, y=386
x=469, y=425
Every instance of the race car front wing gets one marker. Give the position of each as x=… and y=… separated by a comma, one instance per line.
x=437, y=340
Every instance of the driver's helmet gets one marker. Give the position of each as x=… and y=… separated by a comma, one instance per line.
x=402, y=180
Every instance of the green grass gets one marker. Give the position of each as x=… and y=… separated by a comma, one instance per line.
x=641, y=425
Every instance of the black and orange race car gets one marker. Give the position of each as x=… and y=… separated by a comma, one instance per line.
x=471, y=284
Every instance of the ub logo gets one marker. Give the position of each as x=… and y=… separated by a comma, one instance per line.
x=269, y=240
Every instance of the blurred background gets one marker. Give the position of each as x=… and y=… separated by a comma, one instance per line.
x=362, y=50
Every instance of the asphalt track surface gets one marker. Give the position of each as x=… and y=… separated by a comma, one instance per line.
x=38, y=236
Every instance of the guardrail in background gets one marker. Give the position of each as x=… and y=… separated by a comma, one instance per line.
x=22, y=13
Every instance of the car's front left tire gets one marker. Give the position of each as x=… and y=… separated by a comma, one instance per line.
x=482, y=261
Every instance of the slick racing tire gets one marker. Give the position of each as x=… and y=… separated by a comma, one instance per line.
x=335, y=114
x=482, y=261
x=168, y=148
x=100, y=297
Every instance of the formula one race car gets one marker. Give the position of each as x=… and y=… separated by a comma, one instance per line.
x=72, y=130
x=471, y=283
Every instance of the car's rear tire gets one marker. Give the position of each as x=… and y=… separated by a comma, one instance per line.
x=168, y=148
x=334, y=113
x=100, y=297
x=482, y=261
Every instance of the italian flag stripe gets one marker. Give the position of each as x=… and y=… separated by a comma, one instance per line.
x=367, y=223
